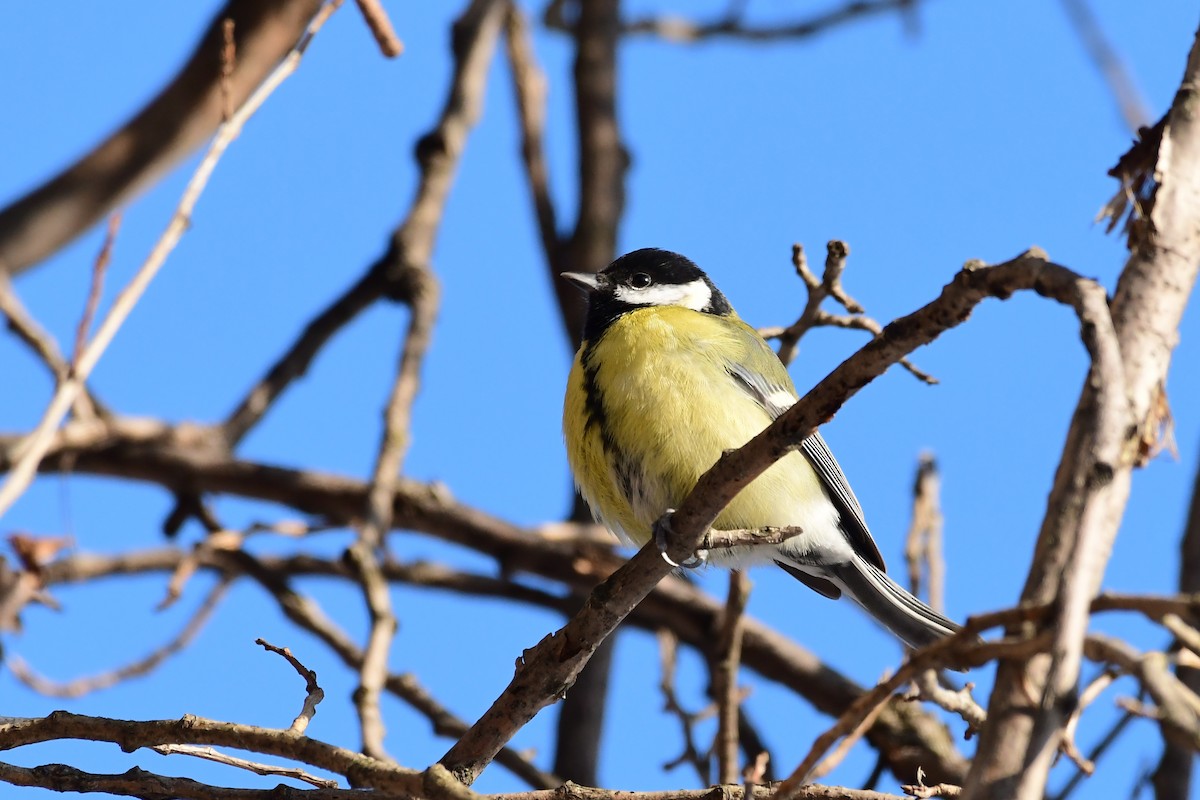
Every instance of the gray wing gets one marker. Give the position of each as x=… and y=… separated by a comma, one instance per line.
x=775, y=398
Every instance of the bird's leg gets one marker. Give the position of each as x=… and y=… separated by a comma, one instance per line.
x=662, y=538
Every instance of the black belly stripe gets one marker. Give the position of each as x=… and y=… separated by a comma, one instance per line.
x=597, y=416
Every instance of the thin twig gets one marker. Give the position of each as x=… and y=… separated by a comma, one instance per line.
x=381, y=28
x=34, y=446
x=143, y=666
x=210, y=754
x=529, y=87
x=725, y=670
x=1086, y=698
x=813, y=316
x=372, y=673
x=668, y=648
x=928, y=686
x=923, y=543
x=314, y=694
x=39, y=340
x=99, y=268
x=830, y=762
x=685, y=31
x=1101, y=747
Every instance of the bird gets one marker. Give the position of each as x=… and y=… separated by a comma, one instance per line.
x=667, y=378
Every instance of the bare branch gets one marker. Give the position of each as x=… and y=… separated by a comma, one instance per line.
x=35, y=445
x=552, y=664
x=81, y=686
x=362, y=770
x=668, y=648
x=1172, y=777
x=725, y=671
x=177, y=121
x=93, y=299
x=209, y=754
x=684, y=31
x=529, y=86
x=381, y=28
x=813, y=316
x=923, y=545
x=1104, y=444
x=314, y=694
x=39, y=340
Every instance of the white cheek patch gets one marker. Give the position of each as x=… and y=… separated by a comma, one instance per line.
x=695, y=295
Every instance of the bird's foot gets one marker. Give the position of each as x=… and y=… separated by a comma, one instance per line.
x=662, y=539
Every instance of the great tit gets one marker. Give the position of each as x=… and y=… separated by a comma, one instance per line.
x=668, y=378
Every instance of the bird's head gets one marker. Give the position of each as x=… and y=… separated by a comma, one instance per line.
x=644, y=278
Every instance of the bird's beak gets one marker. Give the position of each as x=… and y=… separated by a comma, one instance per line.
x=587, y=281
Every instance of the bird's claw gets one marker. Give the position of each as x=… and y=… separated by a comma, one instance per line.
x=662, y=536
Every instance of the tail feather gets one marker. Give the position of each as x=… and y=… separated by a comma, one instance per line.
x=913, y=622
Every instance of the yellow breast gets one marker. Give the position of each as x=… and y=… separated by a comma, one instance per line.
x=650, y=407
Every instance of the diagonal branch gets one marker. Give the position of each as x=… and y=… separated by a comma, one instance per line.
x=1104, y=444
x=34, y=446
x=685, y=31
x=407, y=264
x=549, y=668
x=173, y=124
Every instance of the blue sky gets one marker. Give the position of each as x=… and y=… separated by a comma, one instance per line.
x=986, y=131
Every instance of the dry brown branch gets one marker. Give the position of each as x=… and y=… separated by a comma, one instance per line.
x=668, y=648
x=831, y=761
x=99, y=268
x=138, y=782
x=381, y=28
x=307, y=614
x=372, y=671
x=1179, y=710
x=755, y=773
x=725, y=670
x=1091, y=486
x=176, y=122
x=1172, y=776
x=1099, y=749
x=1086, y=698
x=360, y=770
x=928, y=686
x=575, y=792
x=294, y=363
x=602, y=160
x=1177, y=706
x=684, y=31
x=314, y=694
x=413, y=282
x=34, y=446
x=209, y=754
x=39, y=340
x=920, y=790
x=550, y=666
x=157, y=453
x=923, y=545
x=969, y=288
x=28, y=331
x=813, y=316
x=529, y=88
x=143, y=666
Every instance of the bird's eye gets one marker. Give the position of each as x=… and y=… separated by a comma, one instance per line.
x=640, y=280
